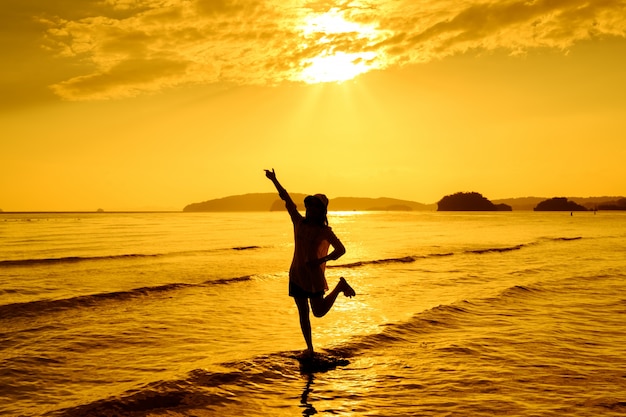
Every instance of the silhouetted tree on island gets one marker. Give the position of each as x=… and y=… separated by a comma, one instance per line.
x=469, y=202
x=559, y=204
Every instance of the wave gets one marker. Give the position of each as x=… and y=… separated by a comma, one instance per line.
x=43, y=307
x=204, y=389
x=201, y=389
x=405, y=259
x=401, y=260
x=35, y=308
x=481, y=251
x=519, y=291
x=211, y=389
x=503, y=249
x=68, y=259
x=74, y=259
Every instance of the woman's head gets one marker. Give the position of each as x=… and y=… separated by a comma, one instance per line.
x=316, y=208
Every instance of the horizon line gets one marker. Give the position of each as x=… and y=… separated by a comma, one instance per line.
x=101, y=211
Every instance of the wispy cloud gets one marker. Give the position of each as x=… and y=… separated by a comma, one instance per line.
x=516, y=26
x=139, y=46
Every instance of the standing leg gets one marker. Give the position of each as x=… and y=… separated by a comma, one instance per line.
x=305, y=322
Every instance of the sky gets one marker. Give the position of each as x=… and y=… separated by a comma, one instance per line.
x=156, y=104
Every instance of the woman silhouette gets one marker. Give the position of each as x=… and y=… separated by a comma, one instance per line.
x=312, y=238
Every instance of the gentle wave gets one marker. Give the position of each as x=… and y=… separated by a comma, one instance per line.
x=68, y=259
x=414, y=258
x=405, y=259
x=204, y=388
x=42, y=307
x=496, y=250
x=200, y=390
x=45, y=306
x=74, y=259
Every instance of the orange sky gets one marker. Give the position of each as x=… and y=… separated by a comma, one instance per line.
x=155, y=104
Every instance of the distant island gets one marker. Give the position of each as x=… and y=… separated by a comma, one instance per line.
x=591, y=203
x=472, y=201
x=462, y=201
x=613, y=205
x=271, y=202
x=559, y=204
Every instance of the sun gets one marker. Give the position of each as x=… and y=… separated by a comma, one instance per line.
x=337, y=67
x=342, y=48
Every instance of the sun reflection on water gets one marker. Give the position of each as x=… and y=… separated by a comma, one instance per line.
x=340, y=49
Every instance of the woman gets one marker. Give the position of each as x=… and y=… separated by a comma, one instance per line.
x=313, y=237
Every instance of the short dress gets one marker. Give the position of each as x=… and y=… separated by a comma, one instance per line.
x=311, y=243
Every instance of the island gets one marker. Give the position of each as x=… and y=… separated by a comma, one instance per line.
x=559, y=204
x=457, y=202
x=613, y=205
x=471, y=201
x=271, y=202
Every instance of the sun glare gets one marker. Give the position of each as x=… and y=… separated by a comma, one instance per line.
x=331, y=30
x=337, y=67
x=332, y=22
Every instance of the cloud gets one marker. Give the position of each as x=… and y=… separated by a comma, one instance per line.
x=137, y=46
x=211, y=7
x=125, y=79
x=517, y=26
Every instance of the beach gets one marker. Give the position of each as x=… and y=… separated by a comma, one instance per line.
x=187, y=314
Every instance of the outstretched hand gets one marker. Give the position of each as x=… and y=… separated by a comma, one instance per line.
x=270, y=174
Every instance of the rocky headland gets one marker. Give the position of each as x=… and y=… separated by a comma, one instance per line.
x=471, y=201
x=559, y=204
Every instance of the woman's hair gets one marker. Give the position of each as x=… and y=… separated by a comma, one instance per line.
x=320, y=201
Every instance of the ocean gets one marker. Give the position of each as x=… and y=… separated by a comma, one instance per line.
x=187, y=314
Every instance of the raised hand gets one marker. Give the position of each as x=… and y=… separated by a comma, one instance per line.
x=270, y=174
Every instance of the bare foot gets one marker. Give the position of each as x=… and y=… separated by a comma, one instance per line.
x=348, y=291
x=307, y=354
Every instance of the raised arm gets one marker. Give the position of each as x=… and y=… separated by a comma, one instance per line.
x=282, y=193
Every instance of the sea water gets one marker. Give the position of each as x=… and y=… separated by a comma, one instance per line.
x=187, y=314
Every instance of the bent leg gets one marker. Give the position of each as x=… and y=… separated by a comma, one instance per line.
x=305, y=321
x=322, y=305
